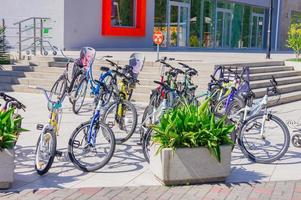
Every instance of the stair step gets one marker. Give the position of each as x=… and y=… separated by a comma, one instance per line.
x=280, y=81
x=268, y=69
x=286, y=98
x=282, y=89
x=265, y=76
x=251, y=65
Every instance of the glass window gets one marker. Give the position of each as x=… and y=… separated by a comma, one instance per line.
x=195, y=22
x=161, y=19
x=208, y=8
x=295, y=17
x=123, y=13
x=237, y=25
x=246, y=26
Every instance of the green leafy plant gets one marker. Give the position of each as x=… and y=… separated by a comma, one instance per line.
x=9, y=129
x=191, y=126
x=294, y=38
x=4, y=57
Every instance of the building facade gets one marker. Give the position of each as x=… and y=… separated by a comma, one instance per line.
x=186, y=24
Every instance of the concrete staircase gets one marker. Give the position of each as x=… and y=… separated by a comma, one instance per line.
x=289, y=80
x=44, y=71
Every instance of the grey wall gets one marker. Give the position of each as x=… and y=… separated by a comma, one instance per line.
x=84, y=29
x=16, y=10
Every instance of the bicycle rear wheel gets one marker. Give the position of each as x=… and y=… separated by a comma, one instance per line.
x=121, y=116
x=80, y=96
x=267, y=147
x=88, y=157
x=45, y=152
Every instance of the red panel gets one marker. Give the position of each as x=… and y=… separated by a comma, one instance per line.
x=109, y=30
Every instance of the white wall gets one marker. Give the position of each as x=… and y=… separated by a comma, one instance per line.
x=16, y=10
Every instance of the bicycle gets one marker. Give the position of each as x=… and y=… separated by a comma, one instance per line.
x=153, y=116
x=255, y=142
x=79, y=149
x=85, y=78
x=121, y=114
x=47, y=142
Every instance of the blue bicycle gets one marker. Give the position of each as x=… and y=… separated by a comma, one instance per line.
x=92, y=144
x=85, y=78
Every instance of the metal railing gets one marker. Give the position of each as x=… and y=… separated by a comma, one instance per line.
x=37, y=34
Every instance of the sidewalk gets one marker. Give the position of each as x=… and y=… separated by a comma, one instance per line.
x=282, y=190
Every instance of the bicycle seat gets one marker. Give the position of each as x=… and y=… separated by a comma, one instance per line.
x=105, y=69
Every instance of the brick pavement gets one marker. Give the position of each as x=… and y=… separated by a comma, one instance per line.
x=281, y=190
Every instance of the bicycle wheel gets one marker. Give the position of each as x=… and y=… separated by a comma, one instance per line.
x=74, y=85
x=233, y=113
x=267, y=147
x=146, y=121
x=121, y=116
x=88, y=157
x=80, y=96
x=146, y=142
x=57, y=90
x=45, y=152
x=222, y=108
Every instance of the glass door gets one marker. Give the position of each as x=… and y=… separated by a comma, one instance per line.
x=257, y=26
x=178, y=24
x=223, y=28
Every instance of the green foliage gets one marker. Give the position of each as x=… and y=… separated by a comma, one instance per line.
x=4, y=58
x=294, y=38
x=194, y=41
x=9, y=129
x=191, y=126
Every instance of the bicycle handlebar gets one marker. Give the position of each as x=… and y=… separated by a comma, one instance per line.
x=45, y=92
x=10, y=99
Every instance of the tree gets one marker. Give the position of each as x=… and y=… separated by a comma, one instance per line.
x=294, y=38
x=4, y=58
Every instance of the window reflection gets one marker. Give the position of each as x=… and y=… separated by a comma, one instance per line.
x=123, y=13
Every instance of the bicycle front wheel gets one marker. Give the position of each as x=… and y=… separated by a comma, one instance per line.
x=91, y=156
x=80, y=96
x=57, y=90
x=264, y=138
x=121, y=116
x=45, y=152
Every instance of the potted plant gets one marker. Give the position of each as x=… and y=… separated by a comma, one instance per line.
x=190, y=145
x=9, y=130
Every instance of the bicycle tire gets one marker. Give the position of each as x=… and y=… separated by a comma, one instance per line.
x=145, y=144
x=255, y=158
x=113, y=105
x=72, y=84
x=222, y=103
x=76, y=98
x=109, y=136
x=51, y=158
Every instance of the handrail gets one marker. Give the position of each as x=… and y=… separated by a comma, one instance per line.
x=30, y=18
x=35, y=36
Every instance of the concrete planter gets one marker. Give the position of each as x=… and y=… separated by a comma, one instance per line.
x=190, y=165
x=296, y=65
x=7, y=167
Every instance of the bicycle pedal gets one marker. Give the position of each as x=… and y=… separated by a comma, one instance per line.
x=39, y=127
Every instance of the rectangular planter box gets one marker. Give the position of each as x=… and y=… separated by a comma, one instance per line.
x=190, y=165
x=7, y=167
